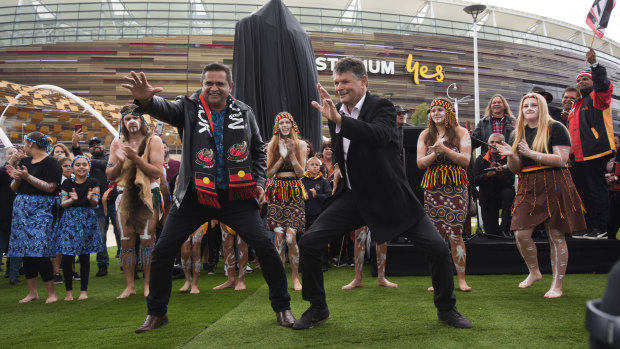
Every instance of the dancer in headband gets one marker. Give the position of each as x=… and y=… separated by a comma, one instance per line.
x=286, y=215
x=136, y=164
x=444, y=150
x=33, y=233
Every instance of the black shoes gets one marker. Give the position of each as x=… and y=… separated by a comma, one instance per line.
x=76, y=276
x=103, y=271
x=152, y=322
x=311, y=317
x=58, y=278
x=454, y=318
x=285, y=318
x=15, y=282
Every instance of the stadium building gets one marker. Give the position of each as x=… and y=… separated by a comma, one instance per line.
x=414, y=50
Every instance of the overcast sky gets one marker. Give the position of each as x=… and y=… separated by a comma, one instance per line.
x=570, y=11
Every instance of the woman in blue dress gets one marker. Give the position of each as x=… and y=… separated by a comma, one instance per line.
x=78, y=228
x=33, y=235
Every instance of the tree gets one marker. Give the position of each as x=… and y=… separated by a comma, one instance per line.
x=420, y=116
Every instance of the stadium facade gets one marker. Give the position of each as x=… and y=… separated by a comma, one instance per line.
x=414, y=50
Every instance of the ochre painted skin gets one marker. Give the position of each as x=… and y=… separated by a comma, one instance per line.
x=228, y=244
x=293, y=252
x=528, y=251
x=128, y=257
x=361, y=235
x=459, y=257
x=190, y=251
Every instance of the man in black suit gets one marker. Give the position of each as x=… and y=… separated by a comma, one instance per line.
x=372, y=190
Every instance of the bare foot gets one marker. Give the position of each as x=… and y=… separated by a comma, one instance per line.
x=29, y=298
x=185, y=287
x=530, y=279
x=431, y=289
x=51, y=299
x=296, y=285
x=227, y=284
x=553, y=293
x=126, y=293
x=463, y=286
x=353, y=284
x=385, y=283
x=194, y=290
x=83, y=296
x=69, y=296
x=240, y=285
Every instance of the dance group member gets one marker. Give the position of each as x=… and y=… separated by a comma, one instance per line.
x=33, y=233
x=546, y=192
x=444, y=149
x=286, y=215
x=221, y=177
x=136, y=164
x=78, y=230
x=361, y=236
x=229, y=239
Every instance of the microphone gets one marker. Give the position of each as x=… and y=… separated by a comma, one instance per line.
x=504, y=167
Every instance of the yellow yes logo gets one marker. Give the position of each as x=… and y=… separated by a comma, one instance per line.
x=421, y=71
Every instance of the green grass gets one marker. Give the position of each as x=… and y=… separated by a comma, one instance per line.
x=503, y=315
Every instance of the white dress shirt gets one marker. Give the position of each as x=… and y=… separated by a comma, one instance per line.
x=355, y=113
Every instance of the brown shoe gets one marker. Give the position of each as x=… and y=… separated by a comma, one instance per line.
x=152, y=322
x=285, y=318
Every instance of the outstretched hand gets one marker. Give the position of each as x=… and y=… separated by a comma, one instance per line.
x=328, y=108
x=140, y=88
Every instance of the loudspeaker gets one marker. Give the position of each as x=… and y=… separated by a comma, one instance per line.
x=410, y=149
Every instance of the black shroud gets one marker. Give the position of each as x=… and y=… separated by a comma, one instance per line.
x=274, y=70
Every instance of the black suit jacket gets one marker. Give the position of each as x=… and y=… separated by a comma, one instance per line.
x=376, y=173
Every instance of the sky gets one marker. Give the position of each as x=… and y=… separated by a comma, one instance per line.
x=570, y=11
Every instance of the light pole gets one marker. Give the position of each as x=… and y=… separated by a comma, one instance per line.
x=475, y=11
x=456, y=99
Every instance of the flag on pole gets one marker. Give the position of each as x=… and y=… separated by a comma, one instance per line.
x=598, y=17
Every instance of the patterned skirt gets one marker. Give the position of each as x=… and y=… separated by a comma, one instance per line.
x=32, y=228
x=78, y=232
x=287, y=215
x=447, y=207
x=547, y=196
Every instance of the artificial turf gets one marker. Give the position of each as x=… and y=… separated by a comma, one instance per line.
x=504, y=316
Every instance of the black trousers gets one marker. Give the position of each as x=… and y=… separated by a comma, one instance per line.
x=490, y=211
x=67, y=267
x=38, y=265
x=240, y=215
x=343, y=215
x=589, y=178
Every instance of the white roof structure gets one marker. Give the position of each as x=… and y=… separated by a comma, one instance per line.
x=371, y=15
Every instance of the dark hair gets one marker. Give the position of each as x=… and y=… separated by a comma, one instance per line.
x=327, y=143
x=41, y=141
x=63, y=160
x=570, y=89
x=350, y=64
x=216, y=67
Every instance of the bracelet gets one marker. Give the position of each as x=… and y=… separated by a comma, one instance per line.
x=294, y=162
x=97, y=195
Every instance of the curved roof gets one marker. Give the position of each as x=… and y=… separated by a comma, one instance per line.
x=424, y=11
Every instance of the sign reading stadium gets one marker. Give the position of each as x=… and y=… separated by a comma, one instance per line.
x=386, y=68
